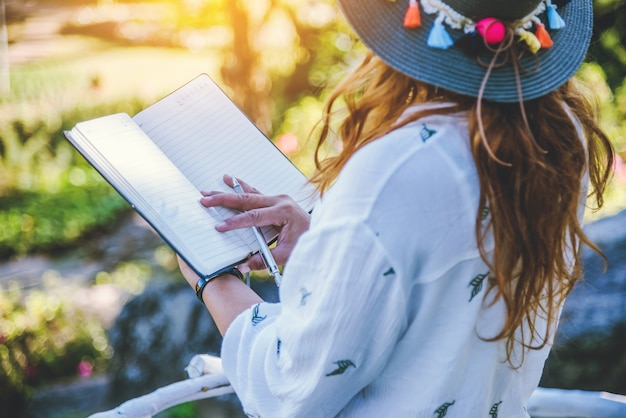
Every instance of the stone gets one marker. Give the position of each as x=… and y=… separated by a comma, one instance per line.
x=154, y=338
x=590, y=347
x=157, y=334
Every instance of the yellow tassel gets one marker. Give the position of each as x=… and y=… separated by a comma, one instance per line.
x=412, y=18
x=544, y=37
x=530, y=40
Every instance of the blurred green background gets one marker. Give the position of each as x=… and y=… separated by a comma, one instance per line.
x=66, y=61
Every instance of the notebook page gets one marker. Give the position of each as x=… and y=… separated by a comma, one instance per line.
x=206, y=135
x=140, y=171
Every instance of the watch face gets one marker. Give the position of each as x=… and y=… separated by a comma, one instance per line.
x=199, y=284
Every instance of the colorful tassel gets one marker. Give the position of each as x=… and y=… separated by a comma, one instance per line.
x=439, y=37
x=530, y=40
x=555, y=21
x=412, y=18
x=543, y=36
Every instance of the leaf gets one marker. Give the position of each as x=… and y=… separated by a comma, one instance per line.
x=389, y=272
x=426, y=133
x=305, y=296
x=493, y=412
x=256, y=318
x=477, y=284
x=443, y=409
x=342, y=366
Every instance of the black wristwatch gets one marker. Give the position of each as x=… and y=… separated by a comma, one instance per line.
x=203, y=281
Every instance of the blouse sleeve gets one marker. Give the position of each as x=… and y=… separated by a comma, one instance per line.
x=342, y=309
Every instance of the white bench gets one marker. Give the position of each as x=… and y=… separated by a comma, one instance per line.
x=207, y=380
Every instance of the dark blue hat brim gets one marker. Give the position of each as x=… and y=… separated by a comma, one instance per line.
x=379, y=25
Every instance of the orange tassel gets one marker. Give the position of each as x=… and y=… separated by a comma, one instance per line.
x=543, y=36
x=412, y=18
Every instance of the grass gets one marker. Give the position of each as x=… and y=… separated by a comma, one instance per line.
x=109, y=72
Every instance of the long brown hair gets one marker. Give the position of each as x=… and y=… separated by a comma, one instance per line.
x=532, y=189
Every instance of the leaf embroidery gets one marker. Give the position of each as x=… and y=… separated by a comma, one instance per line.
x=426, y=133
x=389, y=272
x=256, y=318
x=493, y=412
x=485, y=213
x=477, y=284
x=342, y=366
x=443, y=409
x=305, y=295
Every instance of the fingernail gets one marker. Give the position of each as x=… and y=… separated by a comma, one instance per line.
x=243, y=268
x=220, y=225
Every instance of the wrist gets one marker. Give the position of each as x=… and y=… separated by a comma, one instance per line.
x=202, y=282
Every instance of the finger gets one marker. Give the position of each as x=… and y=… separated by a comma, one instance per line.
x=229, y=182
x=253, y=263
x=210, y=193
x=253, y=217
x=280, y=254
x=245, y=186
x=241, y=202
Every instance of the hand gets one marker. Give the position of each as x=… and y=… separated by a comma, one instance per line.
x=260, y=210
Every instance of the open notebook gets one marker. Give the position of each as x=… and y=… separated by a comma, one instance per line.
x=160, y=159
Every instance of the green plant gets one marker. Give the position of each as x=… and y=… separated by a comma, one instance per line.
x=44, y=336
x=50, y=197
x=186, y=410
x=39, y=221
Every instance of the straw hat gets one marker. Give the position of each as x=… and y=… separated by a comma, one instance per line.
x=500, y=50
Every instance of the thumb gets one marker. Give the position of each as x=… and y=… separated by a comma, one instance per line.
x=253, y=263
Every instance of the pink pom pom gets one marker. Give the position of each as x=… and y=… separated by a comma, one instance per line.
x=491, y=29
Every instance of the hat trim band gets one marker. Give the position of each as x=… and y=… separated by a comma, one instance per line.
x=456, y=20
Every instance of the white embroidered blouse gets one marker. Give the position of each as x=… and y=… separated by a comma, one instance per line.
x=382, y=302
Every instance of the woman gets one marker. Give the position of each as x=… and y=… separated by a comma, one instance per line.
x=431, y=277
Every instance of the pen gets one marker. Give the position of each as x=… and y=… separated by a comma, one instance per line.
x=266, y=254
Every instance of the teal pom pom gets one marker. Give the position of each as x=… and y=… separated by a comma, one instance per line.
x=439, y=37
x=555, y=21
